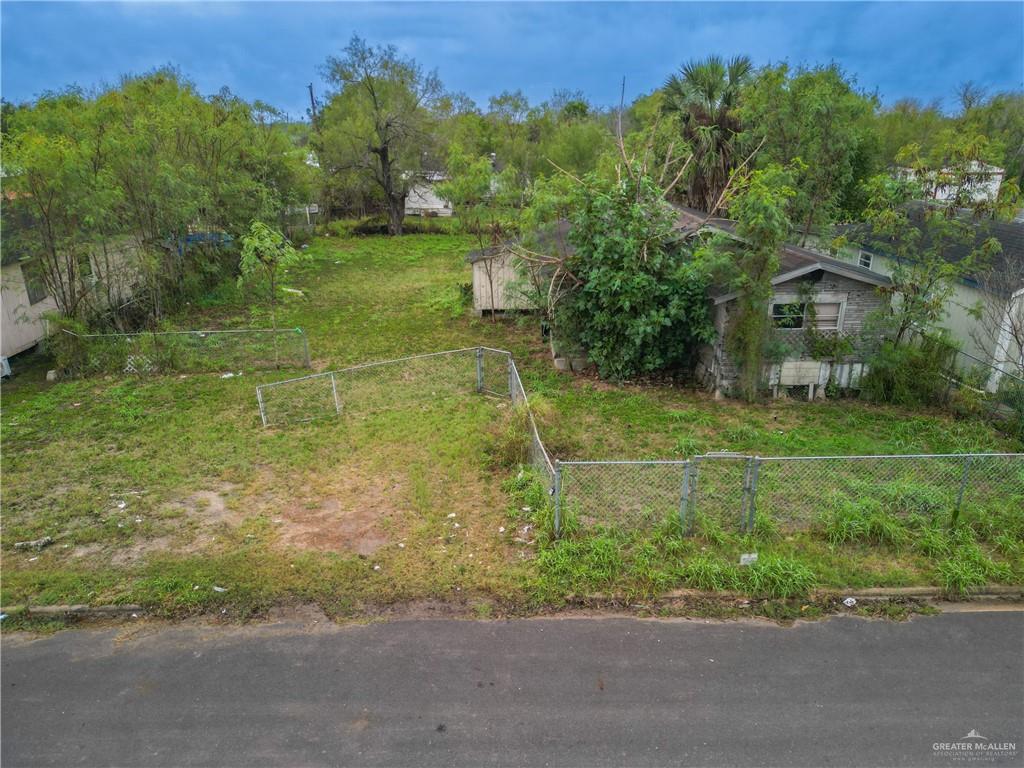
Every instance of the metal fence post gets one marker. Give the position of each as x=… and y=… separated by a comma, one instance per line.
x=752, y=504
x=334, y=390
x=305, y=347
x=263, y=410
x=684, y=499
x=479, y=370
x=511, y=379
x=746, y=493
x=963, y=486
x=694, y=486
x=557, y=492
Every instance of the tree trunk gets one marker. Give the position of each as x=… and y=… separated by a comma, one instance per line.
x=396, y=213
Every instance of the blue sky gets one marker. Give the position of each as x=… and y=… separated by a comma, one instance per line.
x=272, y=50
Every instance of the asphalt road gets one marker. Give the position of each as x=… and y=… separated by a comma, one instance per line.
x=582, y=692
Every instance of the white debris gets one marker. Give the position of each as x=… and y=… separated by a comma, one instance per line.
x=849, y=602
x=451, y=515
x=401, y=545
x=33, y=559
x=121, y=504
x=748, y=558
x=228, y=375
x=220, y=589
x=526, y=509
x=45, y=541
x=376, y=567
x=501, y=529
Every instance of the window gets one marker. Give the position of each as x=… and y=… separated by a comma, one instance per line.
x=865, y=259
x=826, y=315
x=790, y=315
x=84, y=267
x=35, y=285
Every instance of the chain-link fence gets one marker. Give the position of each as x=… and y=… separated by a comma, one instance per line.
x=731, y=491
x=149, y=352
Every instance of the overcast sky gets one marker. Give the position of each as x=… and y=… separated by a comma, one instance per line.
x=272, y=50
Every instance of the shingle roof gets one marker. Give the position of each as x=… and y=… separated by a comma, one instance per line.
x=1010, y=235
x=793, y=259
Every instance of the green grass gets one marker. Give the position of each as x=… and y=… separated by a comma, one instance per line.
x=418, y=503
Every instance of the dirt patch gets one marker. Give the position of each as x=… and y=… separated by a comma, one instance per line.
x=352, y=521
x=132, y=554
x=210, y=507
x=85, y=550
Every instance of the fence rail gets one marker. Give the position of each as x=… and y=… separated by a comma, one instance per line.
x=731, y=490
x=151, y=352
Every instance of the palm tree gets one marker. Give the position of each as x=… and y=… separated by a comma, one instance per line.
x=704, y=95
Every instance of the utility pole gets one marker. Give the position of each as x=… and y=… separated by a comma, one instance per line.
x=312, y=105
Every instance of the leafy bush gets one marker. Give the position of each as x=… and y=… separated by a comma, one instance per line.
x=70, y=354
x=640, y=305
x=908, y=374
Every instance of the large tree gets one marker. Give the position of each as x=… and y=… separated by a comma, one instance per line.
x=704, y=94
x=748, y=263
x=814, y=121
x=380, y=120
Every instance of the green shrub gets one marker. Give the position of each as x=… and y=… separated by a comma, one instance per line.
x=908, y=374
x=636, y=310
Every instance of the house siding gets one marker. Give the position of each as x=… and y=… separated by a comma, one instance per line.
x=859, y=300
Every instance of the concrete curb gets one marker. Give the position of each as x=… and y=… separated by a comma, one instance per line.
x=76, y=611
x=990, y=592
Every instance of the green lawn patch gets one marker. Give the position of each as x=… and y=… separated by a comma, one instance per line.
x=158, y=490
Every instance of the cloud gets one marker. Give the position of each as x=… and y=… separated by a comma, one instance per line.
x=272, y=50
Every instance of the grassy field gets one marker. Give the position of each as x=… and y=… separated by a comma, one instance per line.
x=166, y=491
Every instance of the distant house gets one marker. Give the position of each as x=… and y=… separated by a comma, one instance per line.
x=981, y=183
x=985, y=315
x=818, y=307
x=423, y=199
x=503, y=280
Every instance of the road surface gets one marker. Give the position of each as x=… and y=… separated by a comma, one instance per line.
x=587, y=692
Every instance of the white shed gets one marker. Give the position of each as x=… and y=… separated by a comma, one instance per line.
x=503, y=281
x=423, y=199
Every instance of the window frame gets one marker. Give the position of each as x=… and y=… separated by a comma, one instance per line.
x=35, y=283
x=777, y=316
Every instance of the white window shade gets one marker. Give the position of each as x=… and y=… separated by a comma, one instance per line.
x=826, y=315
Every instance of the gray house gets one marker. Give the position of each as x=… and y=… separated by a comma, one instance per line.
x=818, y=308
